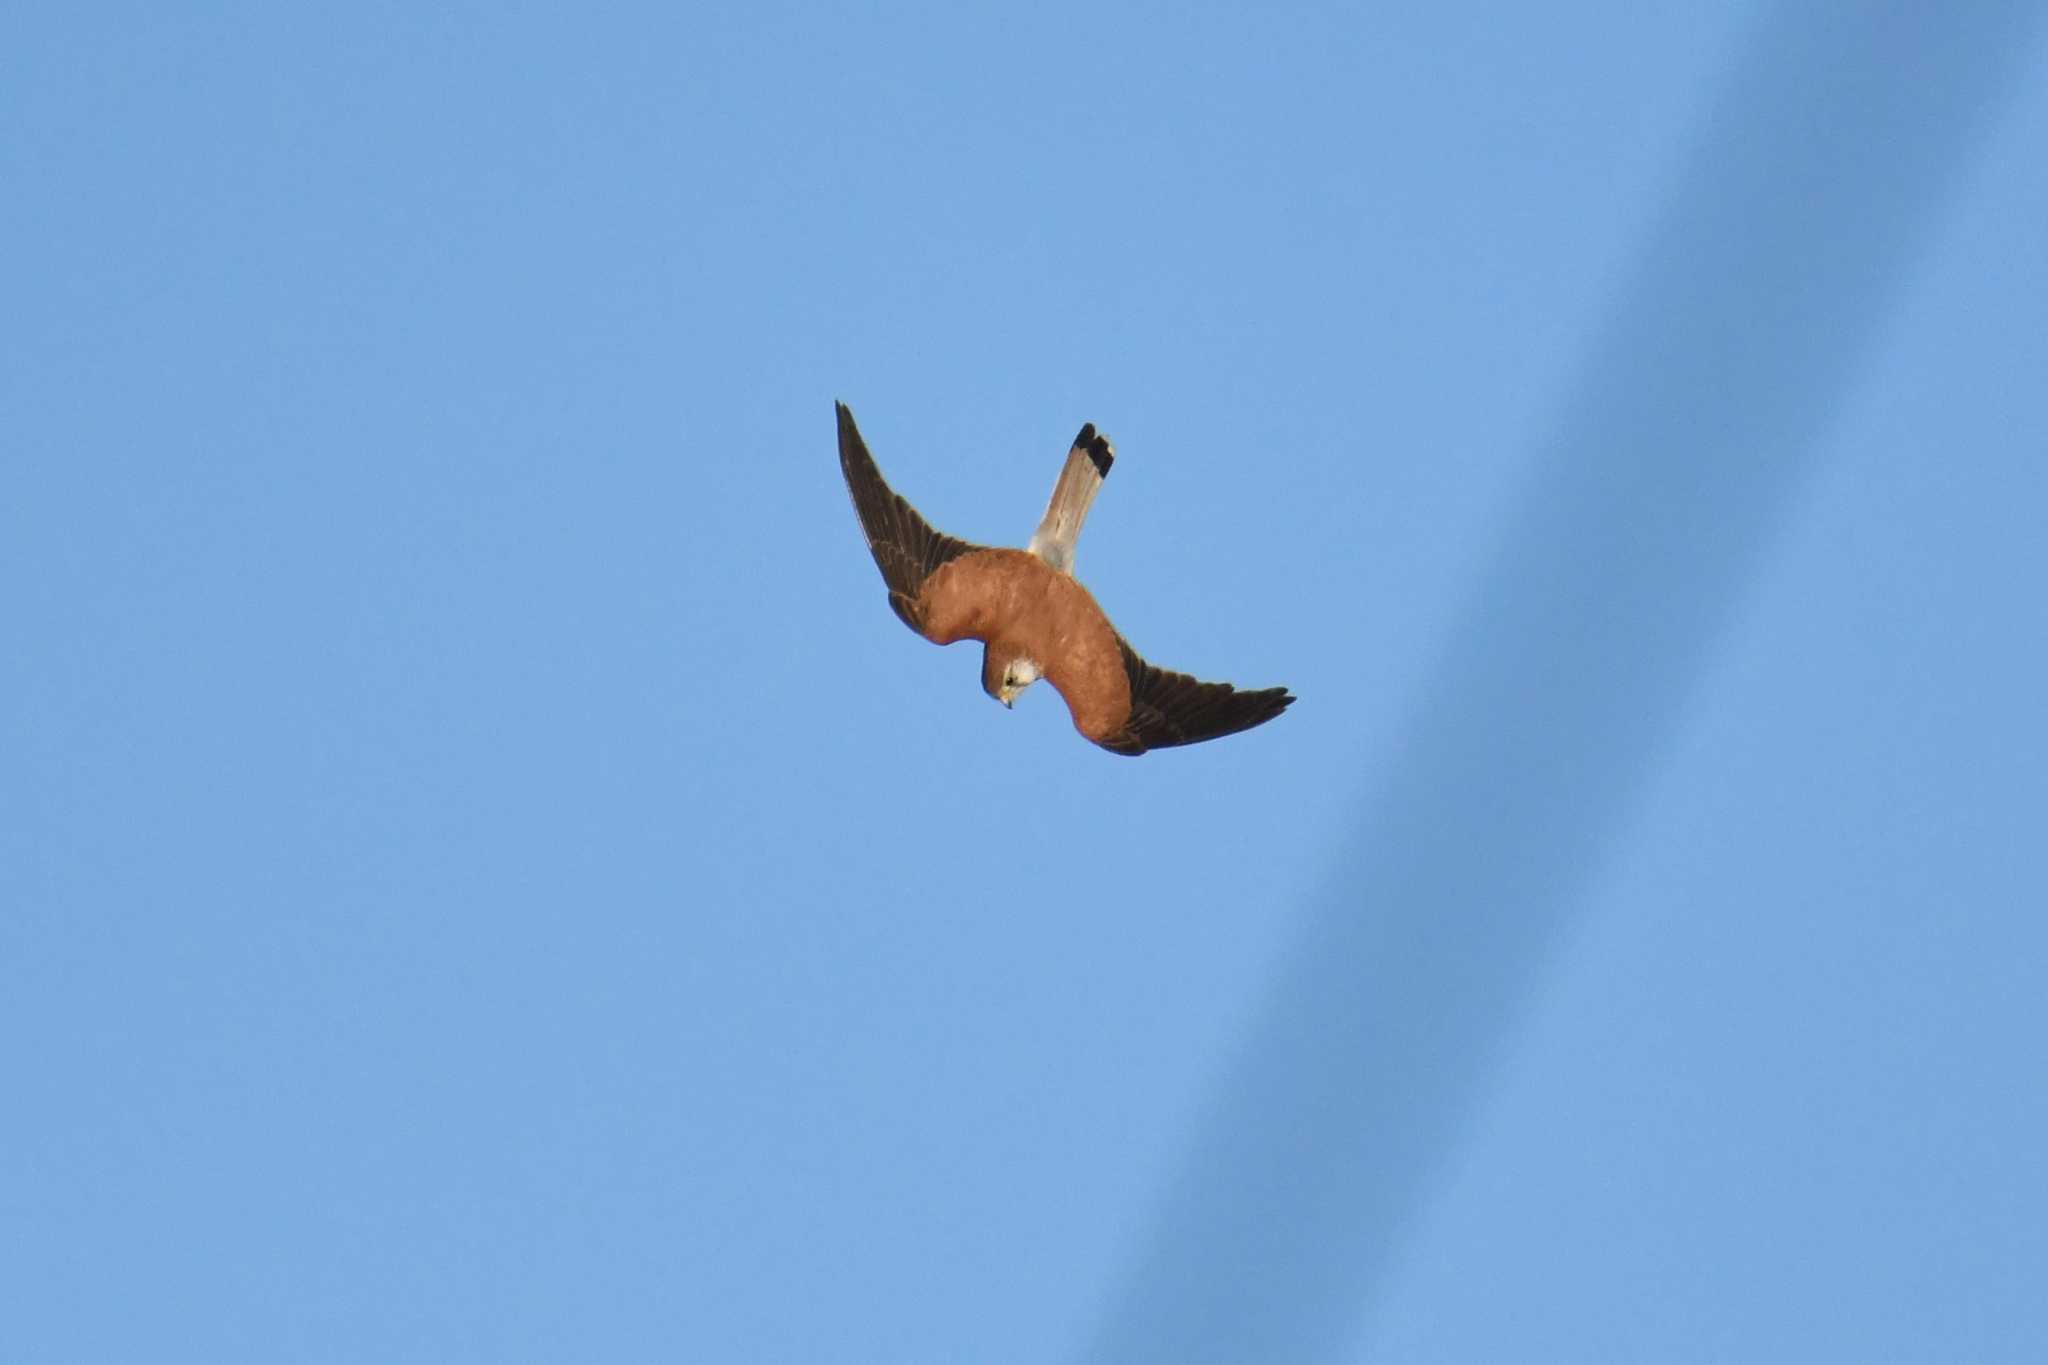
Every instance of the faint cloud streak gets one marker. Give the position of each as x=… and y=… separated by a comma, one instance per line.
x=1797, y=215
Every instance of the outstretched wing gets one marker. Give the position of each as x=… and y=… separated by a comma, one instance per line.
x=1169, y=708
x=904, y=545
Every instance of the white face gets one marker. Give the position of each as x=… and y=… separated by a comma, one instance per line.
x=1020, y=675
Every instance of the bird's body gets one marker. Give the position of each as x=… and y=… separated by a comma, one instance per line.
x=1022, y=608
x=1033, y=618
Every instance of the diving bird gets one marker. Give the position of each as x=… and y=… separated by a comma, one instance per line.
x=1033, y=619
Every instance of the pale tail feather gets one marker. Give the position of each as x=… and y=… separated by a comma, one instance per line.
x=1087, y=465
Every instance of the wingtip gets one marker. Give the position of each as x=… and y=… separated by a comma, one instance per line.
x=1266, y=705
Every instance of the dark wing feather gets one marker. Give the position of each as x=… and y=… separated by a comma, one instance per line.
x=905, y=547
x=1169, y=708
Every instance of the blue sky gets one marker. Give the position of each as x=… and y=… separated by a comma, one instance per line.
x=483, y=875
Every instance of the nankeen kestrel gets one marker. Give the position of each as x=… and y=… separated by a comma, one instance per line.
x=1033, y=619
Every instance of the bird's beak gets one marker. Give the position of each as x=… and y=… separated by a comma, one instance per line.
x=1008, y=704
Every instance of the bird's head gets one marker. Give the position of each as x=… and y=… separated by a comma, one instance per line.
x=1005, y=672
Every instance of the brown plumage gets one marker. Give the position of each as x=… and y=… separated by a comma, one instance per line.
x=1033, y=618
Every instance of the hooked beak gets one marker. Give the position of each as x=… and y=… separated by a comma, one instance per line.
x=1009, y=704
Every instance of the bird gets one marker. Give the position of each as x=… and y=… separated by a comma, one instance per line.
x=1035, y=621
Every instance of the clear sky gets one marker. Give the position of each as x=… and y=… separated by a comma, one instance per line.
x=485, y=877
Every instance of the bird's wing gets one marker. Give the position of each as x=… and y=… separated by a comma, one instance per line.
x=1169, y=708
x=905, y=547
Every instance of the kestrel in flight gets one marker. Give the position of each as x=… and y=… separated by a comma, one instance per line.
x=1033, y=619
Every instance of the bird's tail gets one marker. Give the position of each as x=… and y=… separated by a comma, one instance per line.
x=1080, y=480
